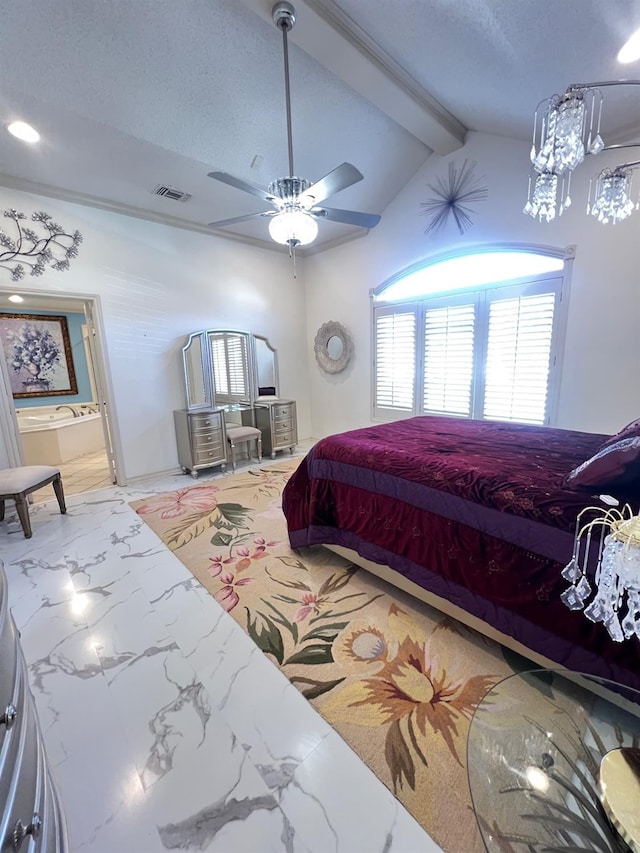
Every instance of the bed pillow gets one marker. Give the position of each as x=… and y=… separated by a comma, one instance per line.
x=631, y=430
x=615, y=464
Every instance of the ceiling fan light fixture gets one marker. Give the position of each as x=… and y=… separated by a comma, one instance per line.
x=293, y=228
x=630, y=50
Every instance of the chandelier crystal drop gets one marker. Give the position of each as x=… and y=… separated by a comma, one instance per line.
x=566, y=130
x=541, y=203
x=293, y=228
x=612, y=198
x=616, y=581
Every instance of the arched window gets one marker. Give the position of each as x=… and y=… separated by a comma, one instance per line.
x=476, y=335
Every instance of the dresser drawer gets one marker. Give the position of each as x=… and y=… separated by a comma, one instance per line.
x=54, y=836
x=206, y=422
x=284, y=410
x=286, y=425
x=8, y=665
x=204, y=456
x=285, y=439
x=23, y=798
x=205, y=440
x=18, y=697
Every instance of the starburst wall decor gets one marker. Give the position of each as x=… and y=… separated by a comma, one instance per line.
x=452, y=196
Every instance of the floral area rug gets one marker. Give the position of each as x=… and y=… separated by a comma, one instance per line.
x=398, y=680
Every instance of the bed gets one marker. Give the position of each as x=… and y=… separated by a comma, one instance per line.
x=470, y=516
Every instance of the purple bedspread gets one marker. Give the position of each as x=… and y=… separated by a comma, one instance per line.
x=473, y=511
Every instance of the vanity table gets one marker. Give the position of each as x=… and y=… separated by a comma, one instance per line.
x=230, y=377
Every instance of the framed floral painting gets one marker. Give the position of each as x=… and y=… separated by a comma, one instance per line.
x=38, y=355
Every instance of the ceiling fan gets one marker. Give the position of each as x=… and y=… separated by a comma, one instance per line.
x=297, y=203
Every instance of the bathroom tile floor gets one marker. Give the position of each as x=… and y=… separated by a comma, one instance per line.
x=79, y=475
x=165, y=726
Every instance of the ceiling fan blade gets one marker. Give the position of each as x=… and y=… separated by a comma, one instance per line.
x=349, y=217
x=340, y=178
x=245, y=186
x=222, y=223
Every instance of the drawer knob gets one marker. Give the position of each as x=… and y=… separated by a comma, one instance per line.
x=9, y=716
x=20, y=831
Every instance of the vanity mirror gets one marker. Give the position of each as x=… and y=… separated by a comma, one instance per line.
x=223, y=367
x=195, y=372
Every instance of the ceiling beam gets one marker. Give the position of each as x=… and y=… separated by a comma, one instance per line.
x=332, y=38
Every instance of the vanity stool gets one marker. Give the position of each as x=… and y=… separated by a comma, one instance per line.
x=243, y=435
x=17, y=483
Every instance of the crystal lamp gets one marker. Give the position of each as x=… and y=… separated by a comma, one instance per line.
x=616, y=554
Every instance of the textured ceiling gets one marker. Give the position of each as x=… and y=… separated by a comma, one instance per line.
x=128, y=95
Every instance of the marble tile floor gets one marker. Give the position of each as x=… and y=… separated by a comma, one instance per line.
x=82, y=474
x=165, y=726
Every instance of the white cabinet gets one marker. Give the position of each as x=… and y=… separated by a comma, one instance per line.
x=31, y=819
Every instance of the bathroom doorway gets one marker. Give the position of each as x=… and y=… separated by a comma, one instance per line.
x=68, y=424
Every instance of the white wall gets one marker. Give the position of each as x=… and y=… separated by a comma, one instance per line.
x=600, y=389
x=156, y=284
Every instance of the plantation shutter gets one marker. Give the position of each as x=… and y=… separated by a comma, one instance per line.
x=219, y=365
x=449, y=334
x=395, y=359
x=230, y=359
x=518, y=358
x=237, y=365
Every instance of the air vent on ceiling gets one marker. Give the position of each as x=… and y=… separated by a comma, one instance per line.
x=171, y=192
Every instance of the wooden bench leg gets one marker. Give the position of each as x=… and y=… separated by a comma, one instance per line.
x=57, y=488
x=1, y=510
x=22, y=508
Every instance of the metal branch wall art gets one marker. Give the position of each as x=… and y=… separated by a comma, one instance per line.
x=452, y=196
x=27, y=250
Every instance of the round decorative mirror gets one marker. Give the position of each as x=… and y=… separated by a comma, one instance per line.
x=333, y=347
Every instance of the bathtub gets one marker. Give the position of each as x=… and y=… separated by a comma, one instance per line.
x=50, y=437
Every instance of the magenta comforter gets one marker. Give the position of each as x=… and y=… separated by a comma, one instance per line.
x=472, y=511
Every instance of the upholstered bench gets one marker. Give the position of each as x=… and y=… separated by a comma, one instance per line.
x=17, y=483
x=243, y=435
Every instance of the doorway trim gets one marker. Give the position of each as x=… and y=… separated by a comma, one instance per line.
x=8, y=420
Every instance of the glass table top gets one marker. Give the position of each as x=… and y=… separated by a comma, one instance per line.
x=533, y=759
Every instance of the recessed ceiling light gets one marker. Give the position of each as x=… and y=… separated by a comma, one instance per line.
x=630, y=51
x=23, y=131
x=15, y=298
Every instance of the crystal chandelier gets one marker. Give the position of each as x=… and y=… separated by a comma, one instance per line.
x=566, y=128
x=617, y=572
x=612, y=197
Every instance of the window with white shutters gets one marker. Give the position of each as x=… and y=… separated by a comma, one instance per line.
x=518, y=354
x=488, y=351
x=448, y=359
x=395, y=343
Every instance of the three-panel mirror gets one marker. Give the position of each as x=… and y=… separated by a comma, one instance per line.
x=224, y=368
